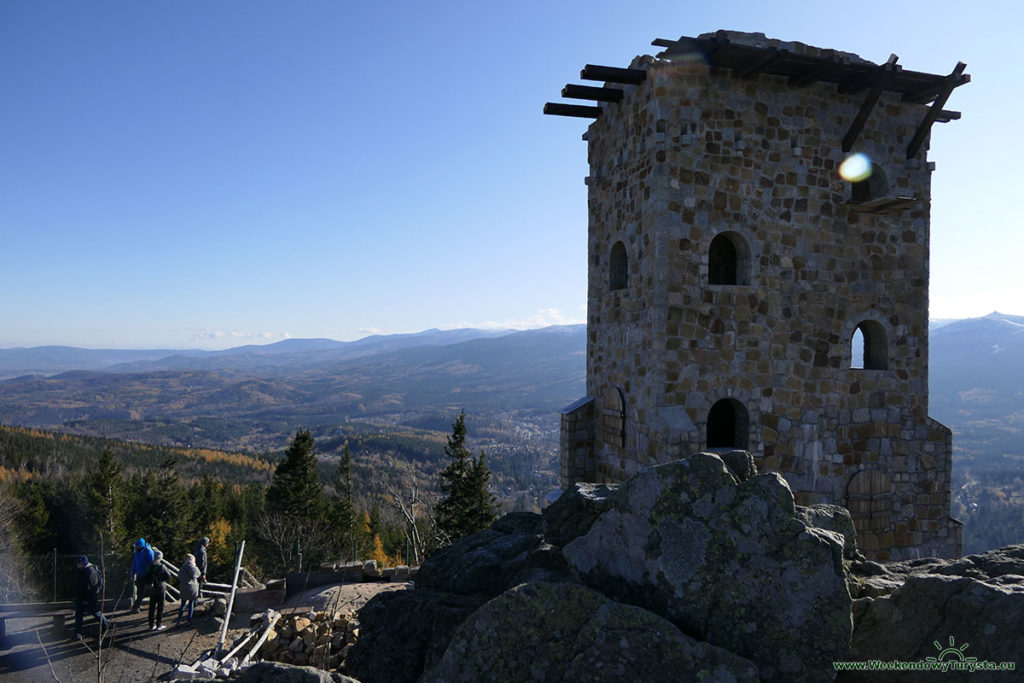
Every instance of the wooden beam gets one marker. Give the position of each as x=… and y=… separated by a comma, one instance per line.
x=589, y=92
x=613, y=74
x=854, y=87
x=952, y=81
x=577, y=110
x=932, y=90
x=753, y=70
x=865, y=110
x=946, y=115
x=816, y=73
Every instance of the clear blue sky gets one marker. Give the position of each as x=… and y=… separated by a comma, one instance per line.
x=209, y=174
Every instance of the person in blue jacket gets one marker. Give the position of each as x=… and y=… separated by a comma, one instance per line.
x=141, y=560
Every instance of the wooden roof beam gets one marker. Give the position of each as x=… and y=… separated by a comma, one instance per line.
x=932, y=90
x=955, y=79
x=753, y=70
x=817, y=72
x=613, y=74
x=587, y=92
x=854, y=87
x=577, y=110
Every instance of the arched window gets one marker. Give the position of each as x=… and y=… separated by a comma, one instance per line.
x=876, y=185
x=728, y=260
x=869, y=347
x=618, y=267
x=728, y=425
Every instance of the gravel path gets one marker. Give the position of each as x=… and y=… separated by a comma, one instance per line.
x=133, y=654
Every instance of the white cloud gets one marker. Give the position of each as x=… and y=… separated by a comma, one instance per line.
x=544, y=317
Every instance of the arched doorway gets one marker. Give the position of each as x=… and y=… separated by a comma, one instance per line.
x=728, y=425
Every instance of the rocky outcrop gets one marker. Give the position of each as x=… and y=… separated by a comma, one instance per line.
x=565, y=632
x=913, y=610
x=404, y=632
x=727, y=563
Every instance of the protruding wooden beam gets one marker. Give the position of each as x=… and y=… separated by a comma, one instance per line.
x=752, y=71
x=881, y=78
x=816, y=74
x=589, y=92
x=613, y=74
x=577, y=110
x=932, y=90
x=955, y=79
x=854, y=87
x=946, y=115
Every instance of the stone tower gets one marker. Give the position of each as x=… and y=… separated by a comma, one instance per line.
x=744, y=295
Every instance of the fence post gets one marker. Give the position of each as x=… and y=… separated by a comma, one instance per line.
x=298, y=555
x=55, y=575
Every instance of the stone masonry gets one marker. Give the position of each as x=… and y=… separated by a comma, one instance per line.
x=735, y=276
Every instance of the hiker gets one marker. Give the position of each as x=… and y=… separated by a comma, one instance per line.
x=201, y=560
x=88, y=593
x=142, y=558
x=188, y=582
x=157, y=576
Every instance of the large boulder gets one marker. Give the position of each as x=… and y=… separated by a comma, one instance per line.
x=403, y=632
x=727, y=562
x=832, y=518
x=487, y=562
x=563, y=632
x=974, y=604
x=575, y=511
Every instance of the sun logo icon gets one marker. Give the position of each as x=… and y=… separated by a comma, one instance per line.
x=952, y=652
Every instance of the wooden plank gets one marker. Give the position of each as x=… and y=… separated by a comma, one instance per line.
x=589, y=92
x=815, y=74
x=613, y=74
x=577, y=110
x=753, y=70
x=954, y=80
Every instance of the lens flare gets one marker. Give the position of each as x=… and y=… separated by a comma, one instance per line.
x=855, y=168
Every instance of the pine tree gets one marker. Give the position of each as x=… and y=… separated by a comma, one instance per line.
x=296, y=490
x=344, y=507
x=104, y=497
x=468, y=505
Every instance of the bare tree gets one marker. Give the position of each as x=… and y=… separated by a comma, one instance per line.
x=415, y=508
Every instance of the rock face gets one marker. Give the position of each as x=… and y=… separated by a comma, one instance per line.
x=565, y=632
x=977, y=600
x=403, y=632
x=687, y=571
x=726, y=562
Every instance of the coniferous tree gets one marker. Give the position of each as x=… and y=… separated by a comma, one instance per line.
x=105, y=499
x=468, y=505
x=296, y=490
x=343, y=503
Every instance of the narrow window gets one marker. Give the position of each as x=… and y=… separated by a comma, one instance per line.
x=728, y=260
x=618, y=267
x=869, y=347
x=728, y=425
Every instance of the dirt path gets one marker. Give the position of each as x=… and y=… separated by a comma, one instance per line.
x=133, y=653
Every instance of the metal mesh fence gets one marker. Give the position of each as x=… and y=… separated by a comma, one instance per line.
x=54, y=574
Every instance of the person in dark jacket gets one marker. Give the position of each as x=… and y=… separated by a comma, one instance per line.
x=201, y=560
x=158, y=577
x=88, y=594
x=142, y=558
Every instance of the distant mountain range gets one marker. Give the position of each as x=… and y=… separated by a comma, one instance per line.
x=247, y=397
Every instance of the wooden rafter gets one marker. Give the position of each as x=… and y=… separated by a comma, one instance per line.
x=589, y=92
x=613, y=74
x=577, y=110
x=880, y=79
x=769, y=57
x=955, y=79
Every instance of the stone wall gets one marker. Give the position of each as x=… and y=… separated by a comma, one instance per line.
x=692, y=154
